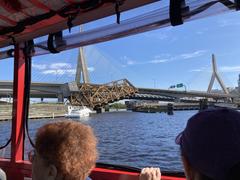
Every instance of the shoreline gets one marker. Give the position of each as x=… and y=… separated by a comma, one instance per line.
x=36, y=111
x=42, y=111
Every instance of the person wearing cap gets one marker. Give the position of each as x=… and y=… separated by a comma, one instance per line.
x=210, y=146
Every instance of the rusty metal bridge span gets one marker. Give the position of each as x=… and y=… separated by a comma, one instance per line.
x=94, y=95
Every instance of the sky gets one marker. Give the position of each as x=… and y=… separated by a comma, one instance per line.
x=158, y=58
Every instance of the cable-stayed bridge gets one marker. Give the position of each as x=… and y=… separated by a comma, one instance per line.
x=98, y=95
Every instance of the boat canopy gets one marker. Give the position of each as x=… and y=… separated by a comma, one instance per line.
x=22, y=20
x=40, y=18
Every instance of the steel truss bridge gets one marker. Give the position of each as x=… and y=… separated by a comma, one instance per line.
x=97, y=95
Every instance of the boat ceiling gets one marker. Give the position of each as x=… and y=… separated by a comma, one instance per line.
x=22, y=20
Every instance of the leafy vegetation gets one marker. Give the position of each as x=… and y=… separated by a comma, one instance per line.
x=117, y=106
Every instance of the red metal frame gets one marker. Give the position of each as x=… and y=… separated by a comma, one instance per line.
x=16, y=168
x=17, y=146
x=106, y=174
x=18, y=133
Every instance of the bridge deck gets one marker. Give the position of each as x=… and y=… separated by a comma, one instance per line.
x=53, y=90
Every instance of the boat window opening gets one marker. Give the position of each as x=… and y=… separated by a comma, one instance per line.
x=123, y=152
x=119, y=155
x=140, y=137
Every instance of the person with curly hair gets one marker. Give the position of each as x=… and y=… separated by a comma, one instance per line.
x=64, y=151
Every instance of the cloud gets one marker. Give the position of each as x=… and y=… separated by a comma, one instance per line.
x=224, y=69
x=58, y=69
x=163, y=58
x=158, y=35
x=202, y=31
x=166, y=35
x=192, y=55
x=229, y=69
x=167, y=57
x=157, y=61
x=60, y=65
x=199, y=32
x=59, y=72
x=39, y=66
x=128, y=61
x=202, y=69
x=91, y=69
x=196, y=70
x=228, y=22
x=55, y=69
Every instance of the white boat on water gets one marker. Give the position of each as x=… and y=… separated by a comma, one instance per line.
x=78, y=111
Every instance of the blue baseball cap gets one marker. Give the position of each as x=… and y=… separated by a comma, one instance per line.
x=211, y=142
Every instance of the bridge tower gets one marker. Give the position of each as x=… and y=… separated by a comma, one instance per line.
x=239, y=83
x=215, y=75
x=81, y=66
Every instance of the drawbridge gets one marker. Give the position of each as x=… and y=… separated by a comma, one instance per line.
x=98, y=95
x=95, y=95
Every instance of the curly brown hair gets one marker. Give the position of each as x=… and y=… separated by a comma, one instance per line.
x=70, y=146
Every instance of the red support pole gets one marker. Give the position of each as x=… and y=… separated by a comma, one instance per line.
x=18, y=133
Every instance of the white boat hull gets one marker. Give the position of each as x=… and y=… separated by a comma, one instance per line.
x=78, y=112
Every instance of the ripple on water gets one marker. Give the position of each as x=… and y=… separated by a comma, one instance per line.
x=129, y=138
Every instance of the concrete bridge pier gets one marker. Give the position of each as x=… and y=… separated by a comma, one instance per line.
x=60, y=98
x=99, y=109
x=203, y=104
x=177, y=100
x=106, y=108
x=170, y=109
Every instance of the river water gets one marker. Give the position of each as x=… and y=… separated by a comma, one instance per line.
x=128, y=138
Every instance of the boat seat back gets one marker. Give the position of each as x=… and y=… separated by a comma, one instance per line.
x=2, y=175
